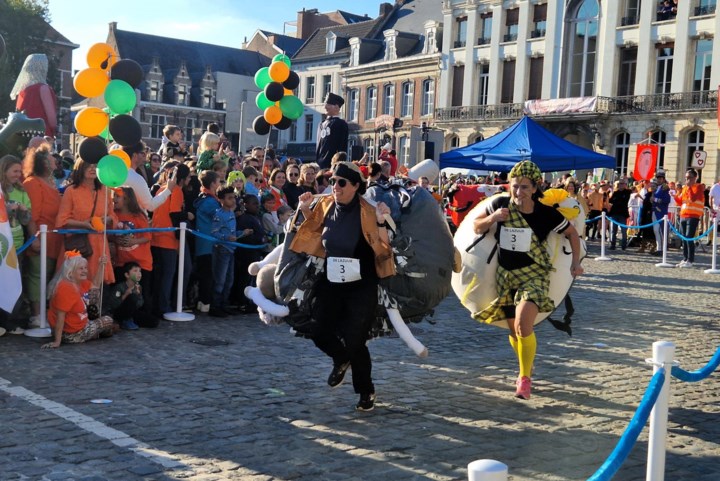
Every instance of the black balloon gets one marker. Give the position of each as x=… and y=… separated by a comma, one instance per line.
x=125, y=130
x=93, y=149
x=274, y=91
x=283, y=124
x=292, y=81
x=128, y=70
x=260, y=125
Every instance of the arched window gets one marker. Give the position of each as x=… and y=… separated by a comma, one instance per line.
x=354, y=105
x=369, y=146
x=404, y=150
x=622, y=150
x=389, y=100
x=581, y=47
x=371, y=106
x=476, y=138
x=695, y=141
x=453, y=142
x=406, y=107
x=658, y=137
x=428, y=97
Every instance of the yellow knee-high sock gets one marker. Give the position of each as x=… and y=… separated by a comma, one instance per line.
x=527, y=347
x=514, y=345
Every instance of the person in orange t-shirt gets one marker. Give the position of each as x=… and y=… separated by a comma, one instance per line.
x=70, y=292
x=692, y=201
x=165, y=244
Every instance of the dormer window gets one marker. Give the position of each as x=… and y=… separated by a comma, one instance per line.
x=430, y=45
x=154, y=91
x=390, y=51
x=207, y=98
x=354, y=52
x=182, y=94
x=330, y=43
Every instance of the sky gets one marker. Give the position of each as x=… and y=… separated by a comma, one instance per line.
x=85, y=22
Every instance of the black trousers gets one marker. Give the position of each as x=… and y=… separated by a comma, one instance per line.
x=129, y=310
x=345, y=314
x=242, y=278
x=203, y=267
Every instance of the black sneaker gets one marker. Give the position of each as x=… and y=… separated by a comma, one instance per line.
x=214, y=312
x=338, y=374
x=366, y=403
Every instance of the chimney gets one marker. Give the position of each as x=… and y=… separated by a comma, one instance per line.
x=304, y=23
x=113, y=26
x=385, y=9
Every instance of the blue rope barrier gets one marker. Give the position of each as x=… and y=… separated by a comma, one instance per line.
x=629, y=437
x=688, y=239
x=634, y=226
x=229, y=243
x=24, y=247
x=700, y=374
x=588, y=221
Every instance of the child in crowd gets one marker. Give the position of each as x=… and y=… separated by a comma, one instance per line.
x=173, y=147
x=205, y=206
x=133, y=248
x=284, y=213
x=210, y=151
x=251, y=174
x=268, y=213
x=236, y=180
x=123, y=301
x=248, y=222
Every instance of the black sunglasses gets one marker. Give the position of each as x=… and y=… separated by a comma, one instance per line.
x=340, y=182
x=293, y=175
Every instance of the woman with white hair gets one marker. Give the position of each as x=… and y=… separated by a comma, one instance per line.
x=70, y=292
x=33, y=95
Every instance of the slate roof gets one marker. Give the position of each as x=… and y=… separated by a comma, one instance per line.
x=287, y=44
x=314, y=47
x=143, y=48
x=351, y=17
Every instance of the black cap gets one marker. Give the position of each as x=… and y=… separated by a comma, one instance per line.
x=334, y=99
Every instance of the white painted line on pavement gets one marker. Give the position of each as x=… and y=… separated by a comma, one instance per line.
x=90, y=425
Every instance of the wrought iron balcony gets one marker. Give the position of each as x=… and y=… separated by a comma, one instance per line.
x=704, y=10
x=483, y=41
x=510, y=37
x=625, y=21
x=459, y=44
x=631, y=104
x=537, y=33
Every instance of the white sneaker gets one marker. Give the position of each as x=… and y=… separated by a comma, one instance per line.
x=34, y=322
x=687, y=265
x=681, y=264
x=203, y=307
x=2, y=331
x=17, y=330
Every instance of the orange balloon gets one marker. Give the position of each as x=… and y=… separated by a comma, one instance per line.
x=273, y=115
x=279, y=71
x=91, y=82
x=122, y=154
x=288, y=92
x=97, y=224
x=102, y=56
x=91, y=121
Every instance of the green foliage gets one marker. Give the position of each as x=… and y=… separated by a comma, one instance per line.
x=24, y=26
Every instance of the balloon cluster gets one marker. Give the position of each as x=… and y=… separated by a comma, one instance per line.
x=116, y=80
x=276, y=100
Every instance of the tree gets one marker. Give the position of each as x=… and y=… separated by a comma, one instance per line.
x=24, y=26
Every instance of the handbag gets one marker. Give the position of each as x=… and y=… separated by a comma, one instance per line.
x=81, y=242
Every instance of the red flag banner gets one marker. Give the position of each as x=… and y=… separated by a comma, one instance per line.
x=645, y=161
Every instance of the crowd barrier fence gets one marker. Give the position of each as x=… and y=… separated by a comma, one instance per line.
x=653, y=406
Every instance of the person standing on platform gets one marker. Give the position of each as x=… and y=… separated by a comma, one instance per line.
x=332, y=134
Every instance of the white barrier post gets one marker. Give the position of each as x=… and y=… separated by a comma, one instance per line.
x=603, y=257
x=179, y=315
x=43, y=330
x=663, y=357
x=487, y=470
x=666, y=230
x=713, y=269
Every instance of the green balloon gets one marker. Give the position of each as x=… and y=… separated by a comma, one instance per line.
x=281, y=57
x=291, y=106
x=120, y=96
x=262, y=77
x=112, y=171
x=262, y=101
x=105, y=134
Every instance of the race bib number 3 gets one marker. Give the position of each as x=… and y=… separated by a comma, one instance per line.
x=343, y=269
x=515, y=239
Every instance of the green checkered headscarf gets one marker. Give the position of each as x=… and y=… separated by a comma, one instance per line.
x=527, y=169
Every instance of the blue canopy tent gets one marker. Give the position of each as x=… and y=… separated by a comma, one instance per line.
x=524, y=140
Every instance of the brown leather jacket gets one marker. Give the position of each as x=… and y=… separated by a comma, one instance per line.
x=308, y=238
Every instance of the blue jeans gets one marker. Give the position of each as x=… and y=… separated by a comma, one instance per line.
x=688, y=228
x=623, y=231
x=223, y=270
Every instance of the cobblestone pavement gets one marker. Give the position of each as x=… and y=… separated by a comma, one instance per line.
x=253, y=404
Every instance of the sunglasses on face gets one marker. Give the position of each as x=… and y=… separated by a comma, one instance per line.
x=341, y=182
x=293, y=175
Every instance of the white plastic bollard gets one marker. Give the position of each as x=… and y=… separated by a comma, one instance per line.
x=487, y=470
x=663, y=356
x=666, y=229
x=44, y=330
x=713, y=269
x=603, y=257
x=179, y=315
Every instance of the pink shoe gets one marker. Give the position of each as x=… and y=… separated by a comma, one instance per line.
x=523, y=388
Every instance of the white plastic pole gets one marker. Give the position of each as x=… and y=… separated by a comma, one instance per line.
x=663, y=355
x=603, y=223
x=44, y=330
x=179, y=315
x=487, y=470
x=713, y=269
x=666, y=229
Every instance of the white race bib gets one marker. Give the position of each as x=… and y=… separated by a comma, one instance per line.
x=515, y=239
x=343, y=269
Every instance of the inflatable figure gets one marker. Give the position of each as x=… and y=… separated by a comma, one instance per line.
x=17, y=132
x=32, y=93
x=475, y=284
x=463, y=198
